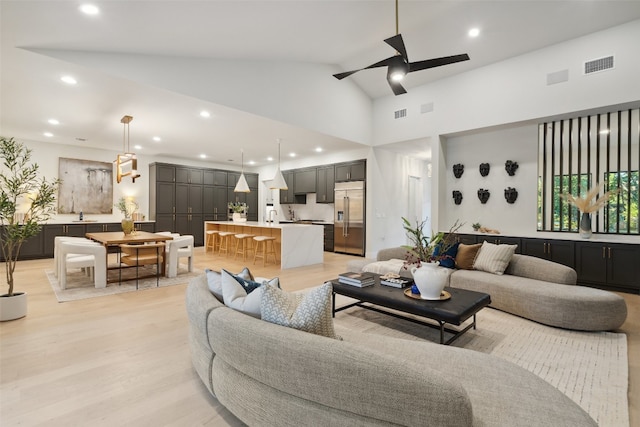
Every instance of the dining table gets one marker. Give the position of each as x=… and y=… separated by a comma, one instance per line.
x=117, y=238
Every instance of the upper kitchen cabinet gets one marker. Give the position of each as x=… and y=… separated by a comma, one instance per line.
x=351, y=171
x=215, y=177
x=286, y=196
x=187, y=175
x=325, y=183
x=304, y=181
x=164, y=173
x=252, y=180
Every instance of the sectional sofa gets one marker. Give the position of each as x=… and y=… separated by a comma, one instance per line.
x=533, y=288
x=267, y=374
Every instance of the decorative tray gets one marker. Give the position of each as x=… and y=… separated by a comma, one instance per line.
x=443, y=296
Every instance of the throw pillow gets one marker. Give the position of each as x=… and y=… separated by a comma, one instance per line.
x=310, y=312
x=235, y=295
x=466, y=255
x=494, y=258
x=214, y=280
x=448, y=259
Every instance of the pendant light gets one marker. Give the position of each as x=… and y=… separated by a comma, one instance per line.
x=126, y=163
x=278, y=181
x=242, y=186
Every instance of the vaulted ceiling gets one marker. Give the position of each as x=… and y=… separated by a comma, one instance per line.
x=341, y=34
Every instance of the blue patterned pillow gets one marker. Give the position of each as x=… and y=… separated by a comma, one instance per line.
x=449, y=258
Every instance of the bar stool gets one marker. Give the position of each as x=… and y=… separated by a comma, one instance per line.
x=223, y=245
x=243, y=245
x=267, y=249
x=211, y=240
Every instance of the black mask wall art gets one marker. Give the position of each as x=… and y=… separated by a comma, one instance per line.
x=483, y=195
x=510, y=194
x=458, y=170
x=484, y=169
x=511, y=167
x=457, y=197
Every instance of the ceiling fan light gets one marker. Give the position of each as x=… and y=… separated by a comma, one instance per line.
x=397, y=76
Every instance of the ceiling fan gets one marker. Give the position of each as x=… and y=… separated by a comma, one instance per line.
x=399, y=65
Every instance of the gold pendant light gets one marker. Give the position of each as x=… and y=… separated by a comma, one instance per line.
x=126, y=163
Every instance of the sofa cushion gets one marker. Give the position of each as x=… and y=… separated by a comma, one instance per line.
x=494, y=258
x=236, y=296
x=309, y=312
x=214, y=280
x=448, y=259
x=466, y=255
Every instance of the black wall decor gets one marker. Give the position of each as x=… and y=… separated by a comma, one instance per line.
x=457, y=197
x=510, y=194
x=511, y=167
x=458, y=170
x=483, y=195
x=484, y=169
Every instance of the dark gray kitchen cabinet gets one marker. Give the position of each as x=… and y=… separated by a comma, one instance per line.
x=188, y=175
x=560, y=251
x=32, y=248
x=351, y=171
x=500, y=240
x=287, y=196
x=215, y=177
x=103, y=227
x=214, y=200
x=164, y=173
x=304, y=181
x=325, y=183
x=252, y=180
x=50, y=231
x=191, y=224
x=467, y=239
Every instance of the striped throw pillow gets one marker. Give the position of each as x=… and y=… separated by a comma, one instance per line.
x=494, y=258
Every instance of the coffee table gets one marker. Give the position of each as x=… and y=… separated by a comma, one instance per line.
x=462, y=305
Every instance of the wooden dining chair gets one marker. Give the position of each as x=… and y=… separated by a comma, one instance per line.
x=141, y=255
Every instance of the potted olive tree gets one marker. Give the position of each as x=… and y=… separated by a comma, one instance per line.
x=26, y=200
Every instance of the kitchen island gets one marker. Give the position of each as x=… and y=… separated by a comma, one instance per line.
x=298, y=244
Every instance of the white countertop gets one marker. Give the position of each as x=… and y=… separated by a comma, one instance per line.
x=262, y=224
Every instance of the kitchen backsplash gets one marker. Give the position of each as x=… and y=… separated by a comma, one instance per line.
x=310, y=210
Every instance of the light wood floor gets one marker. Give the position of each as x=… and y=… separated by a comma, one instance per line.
x=124, y=359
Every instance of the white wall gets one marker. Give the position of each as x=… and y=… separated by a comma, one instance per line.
x=519, y=144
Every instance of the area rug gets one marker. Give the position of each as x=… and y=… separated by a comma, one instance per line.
x=591, y=368
x=79, y=286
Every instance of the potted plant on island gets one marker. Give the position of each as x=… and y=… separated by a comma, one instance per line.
x=128, y=207
x=425, y=254
x=26, y=201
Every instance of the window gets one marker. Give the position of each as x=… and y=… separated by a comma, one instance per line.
x=576, y=154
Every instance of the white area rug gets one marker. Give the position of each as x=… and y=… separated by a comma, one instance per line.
x=79, y=286
x=591, y=368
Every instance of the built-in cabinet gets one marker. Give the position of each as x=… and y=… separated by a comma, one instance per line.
x=181, y=198
x=613, y=266
x=41, y=245
x=328, y=238
x=325, y=184
x=304, y=181
x=351, y=171
x=320, y=180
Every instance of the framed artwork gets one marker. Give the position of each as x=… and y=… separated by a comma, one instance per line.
x=86, y=186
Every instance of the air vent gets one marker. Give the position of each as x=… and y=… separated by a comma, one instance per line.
x=400, y=113
x=597, y=65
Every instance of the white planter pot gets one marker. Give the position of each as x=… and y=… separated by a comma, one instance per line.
x=237, y=217
x=430, y=279
x=13, y=307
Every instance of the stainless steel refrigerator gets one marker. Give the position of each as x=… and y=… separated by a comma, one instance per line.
x=349, y=224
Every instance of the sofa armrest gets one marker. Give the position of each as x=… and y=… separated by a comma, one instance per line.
x=392, y=253
x=541, y=269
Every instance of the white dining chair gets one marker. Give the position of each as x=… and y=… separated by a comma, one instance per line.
x=92, y=256
x=179, y=247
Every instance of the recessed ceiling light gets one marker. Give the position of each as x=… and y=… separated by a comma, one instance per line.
x=204, y=113
x=474, y=32
x=138, y=147
x=68, y=80
x=292, y=154
x=203, y=156
x=318, y=149
x=270, y=159
x=251, y=162
x=48, y=134
x=157, y=139
x=53, y=122
x=89, y=9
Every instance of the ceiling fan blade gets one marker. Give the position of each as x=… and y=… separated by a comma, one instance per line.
x=396, y=87
x=397, y=43
x=437, y=62
x=383, y=63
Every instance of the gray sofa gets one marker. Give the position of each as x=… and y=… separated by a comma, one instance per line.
x=271, y=375
x=536, y=289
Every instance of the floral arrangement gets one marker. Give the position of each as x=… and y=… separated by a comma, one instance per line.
x=127, y=206
x=237, y=207
x=589, y=203
x=423, y=247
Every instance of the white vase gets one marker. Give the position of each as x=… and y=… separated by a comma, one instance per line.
x=13, y=307
x=430, y=279
x=237, y=217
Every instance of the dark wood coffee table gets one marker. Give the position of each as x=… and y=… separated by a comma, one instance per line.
x=462, y=305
